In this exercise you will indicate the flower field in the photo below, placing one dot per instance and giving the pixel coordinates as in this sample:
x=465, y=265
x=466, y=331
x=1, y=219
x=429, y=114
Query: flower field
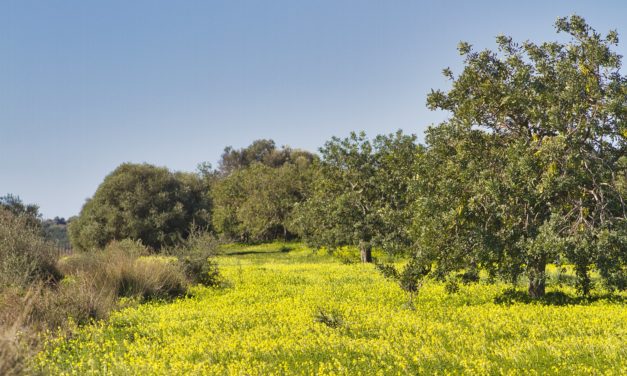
x=290, y=311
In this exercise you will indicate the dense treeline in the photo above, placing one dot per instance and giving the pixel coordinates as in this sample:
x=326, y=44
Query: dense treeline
x=528, y=170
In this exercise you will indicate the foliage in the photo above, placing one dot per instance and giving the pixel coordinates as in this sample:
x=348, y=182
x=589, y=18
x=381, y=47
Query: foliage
x=360, y=194
x=527, y=170
x=16, y=206
x=142, y=202
x=196, y=258
x=255, y=203
x=263, y=325
x=123, y=269
x=24, y=255
x=15, y=345
x=259, y=151
x=410, y=278
x=331, y=318
x=56, y=232
x=388, y=271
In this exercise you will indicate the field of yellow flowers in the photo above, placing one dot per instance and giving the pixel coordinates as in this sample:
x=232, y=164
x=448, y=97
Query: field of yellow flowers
x=285, y=310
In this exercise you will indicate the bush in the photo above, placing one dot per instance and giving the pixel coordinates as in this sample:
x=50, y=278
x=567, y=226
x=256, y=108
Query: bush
x=77, y=300
x=142, y=202
x=332, y=318
x=195, y=256
x=27, y=262
x=24, y=256
x=16, y=345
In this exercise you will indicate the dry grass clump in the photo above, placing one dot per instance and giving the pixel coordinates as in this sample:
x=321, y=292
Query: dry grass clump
x=16, y=345
x=122, y=269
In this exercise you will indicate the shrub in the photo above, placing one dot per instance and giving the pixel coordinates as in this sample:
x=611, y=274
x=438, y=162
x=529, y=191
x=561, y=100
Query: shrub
x=79, y=300
x=331, y=318
x=141, y=201
x=195, y=257
x=87, y=286
x=24, y=256
x=16, y=345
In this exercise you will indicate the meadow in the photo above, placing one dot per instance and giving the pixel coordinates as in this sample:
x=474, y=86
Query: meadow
x=283, y=309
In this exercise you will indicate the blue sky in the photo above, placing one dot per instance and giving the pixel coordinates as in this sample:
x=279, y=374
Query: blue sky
x=86, y=85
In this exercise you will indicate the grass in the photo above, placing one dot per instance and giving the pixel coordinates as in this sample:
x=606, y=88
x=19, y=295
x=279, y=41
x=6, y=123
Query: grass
x=286, y=310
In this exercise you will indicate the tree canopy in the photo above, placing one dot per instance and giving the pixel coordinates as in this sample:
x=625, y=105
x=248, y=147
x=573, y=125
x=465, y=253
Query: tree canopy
x=259, y=151
x=15, y=205
x=142, y=202
x=528, y=169
x=360, y=194
x=254, y=201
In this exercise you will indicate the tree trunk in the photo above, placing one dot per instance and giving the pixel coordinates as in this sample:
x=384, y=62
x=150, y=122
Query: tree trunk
x=583, y=278
x=366, y=251
x=537, y=278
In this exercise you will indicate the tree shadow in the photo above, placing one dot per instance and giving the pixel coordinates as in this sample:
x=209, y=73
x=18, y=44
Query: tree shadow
x=283, y=249
x=555, y=298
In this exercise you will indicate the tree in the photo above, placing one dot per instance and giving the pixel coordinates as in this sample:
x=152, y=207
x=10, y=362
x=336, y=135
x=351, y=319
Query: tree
x=142, y=202
x=15, y=205
x=228, y=195
x=527, y=169
x=255, y=203
x=259, y=151
x=360, y=194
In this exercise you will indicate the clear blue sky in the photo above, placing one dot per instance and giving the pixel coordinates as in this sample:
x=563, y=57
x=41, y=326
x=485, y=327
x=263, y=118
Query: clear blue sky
x=87, y=85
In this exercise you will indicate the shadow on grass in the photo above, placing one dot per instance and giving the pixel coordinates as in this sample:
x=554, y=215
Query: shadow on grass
x=554, y=298
x=283, y=249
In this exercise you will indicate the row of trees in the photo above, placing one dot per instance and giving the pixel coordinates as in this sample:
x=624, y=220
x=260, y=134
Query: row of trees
x=529, y=169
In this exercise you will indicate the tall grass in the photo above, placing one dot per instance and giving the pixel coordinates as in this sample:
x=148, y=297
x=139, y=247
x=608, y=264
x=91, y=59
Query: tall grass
x=16, y=345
